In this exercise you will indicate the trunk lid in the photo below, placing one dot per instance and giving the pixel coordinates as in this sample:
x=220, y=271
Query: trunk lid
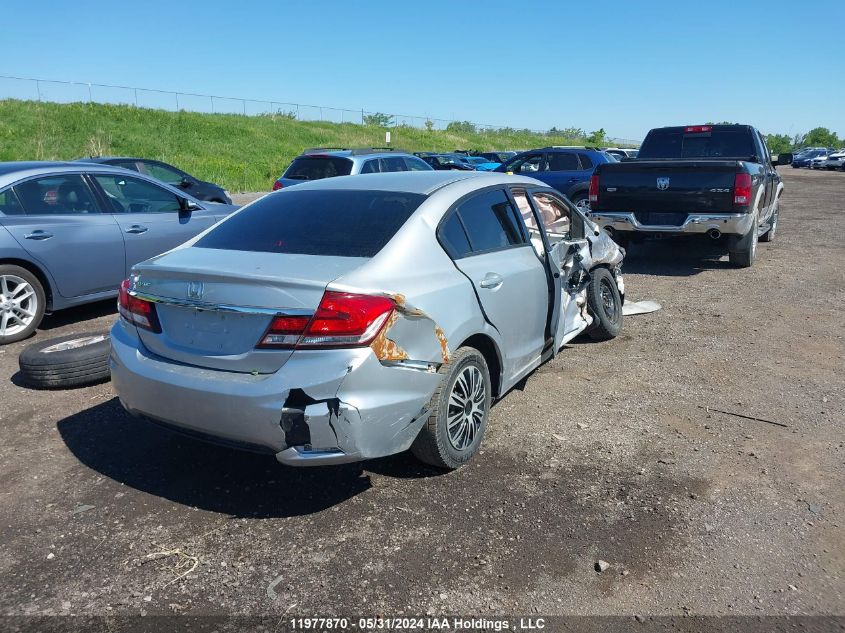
x=641, y=186
x=215, y=305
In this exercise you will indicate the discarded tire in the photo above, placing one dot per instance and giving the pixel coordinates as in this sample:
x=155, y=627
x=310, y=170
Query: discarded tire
x=66, y=361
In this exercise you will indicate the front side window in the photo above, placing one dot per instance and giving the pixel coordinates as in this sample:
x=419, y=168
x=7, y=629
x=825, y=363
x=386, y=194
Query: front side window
x=528, y=165
x=66, y=194
x=162, y=173
x=133, y=195
x=331, y=222
x=415, y=164
x=490, y=221
x=9, y=204
x=394, y=163
x=555, y=214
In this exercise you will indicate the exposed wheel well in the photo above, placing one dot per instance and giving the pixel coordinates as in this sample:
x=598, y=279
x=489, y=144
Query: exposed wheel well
x=35, y=270
x=487, y=347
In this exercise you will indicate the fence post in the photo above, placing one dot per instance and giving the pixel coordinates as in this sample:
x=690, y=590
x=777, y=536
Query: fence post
x=38, y=88
x=212, y=104
x=89, y=93
x=177, y=101
x=243, y=101
x=136, y=97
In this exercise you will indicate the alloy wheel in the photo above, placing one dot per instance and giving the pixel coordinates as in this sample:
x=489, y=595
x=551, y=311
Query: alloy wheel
x=466, y=408
x=18, y=304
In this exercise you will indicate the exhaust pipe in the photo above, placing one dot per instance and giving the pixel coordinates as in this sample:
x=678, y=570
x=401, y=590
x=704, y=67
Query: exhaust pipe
x=714, y=234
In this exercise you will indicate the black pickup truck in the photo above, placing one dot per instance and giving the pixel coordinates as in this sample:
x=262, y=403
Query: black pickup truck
x=717, y=181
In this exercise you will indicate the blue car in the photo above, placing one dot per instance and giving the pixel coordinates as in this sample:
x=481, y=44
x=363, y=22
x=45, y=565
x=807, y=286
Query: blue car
x=567, y=169
x=805, y=157
x=479, y=163
x=70, y=232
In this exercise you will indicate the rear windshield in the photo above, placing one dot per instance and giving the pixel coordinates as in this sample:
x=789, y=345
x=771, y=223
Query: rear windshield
x=317, y=167
x=336, y=222
x=674, y=143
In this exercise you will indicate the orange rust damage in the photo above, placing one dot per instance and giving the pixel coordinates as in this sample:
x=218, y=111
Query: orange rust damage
x=444, y=344
x=385, y=348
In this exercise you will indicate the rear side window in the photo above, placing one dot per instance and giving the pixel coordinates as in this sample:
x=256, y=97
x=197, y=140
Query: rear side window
x=559, y=161
x=718, y=143
x=453, y=237
x=586, y=163
x=332, y=222
x=317, y=167
x=66, y=194
x=490, y=221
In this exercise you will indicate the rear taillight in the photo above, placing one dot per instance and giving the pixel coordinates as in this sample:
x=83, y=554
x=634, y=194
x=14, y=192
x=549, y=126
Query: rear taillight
x=742, y=190
x=277, y=185
x=594, y=189
x=341, y=320
x=137, y=311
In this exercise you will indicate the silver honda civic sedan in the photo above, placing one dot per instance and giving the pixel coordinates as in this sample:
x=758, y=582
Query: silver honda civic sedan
x=357, y=317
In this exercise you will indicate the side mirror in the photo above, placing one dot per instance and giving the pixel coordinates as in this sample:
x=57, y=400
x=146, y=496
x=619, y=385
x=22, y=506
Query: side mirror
x=784, y=159
x=186, y=207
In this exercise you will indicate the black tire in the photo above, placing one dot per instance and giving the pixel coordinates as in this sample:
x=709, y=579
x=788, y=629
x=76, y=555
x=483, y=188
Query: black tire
x=434, y=445
x=769, y=236
x=744, y=251
x=36, y=304
x=605, y=305
x=66, y=361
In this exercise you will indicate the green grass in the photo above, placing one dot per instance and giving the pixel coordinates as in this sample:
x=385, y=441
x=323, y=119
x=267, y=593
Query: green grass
x=241, y=153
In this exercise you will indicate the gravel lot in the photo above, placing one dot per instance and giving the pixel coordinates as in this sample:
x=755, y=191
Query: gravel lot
x=607, y=453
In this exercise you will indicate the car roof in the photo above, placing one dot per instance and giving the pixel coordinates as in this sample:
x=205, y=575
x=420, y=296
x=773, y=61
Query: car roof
x=351, y=153
x=104, y=159
x=420, y=182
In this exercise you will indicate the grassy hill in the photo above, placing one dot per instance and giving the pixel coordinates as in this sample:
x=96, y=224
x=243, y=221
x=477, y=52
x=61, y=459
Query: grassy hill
x=241, y=153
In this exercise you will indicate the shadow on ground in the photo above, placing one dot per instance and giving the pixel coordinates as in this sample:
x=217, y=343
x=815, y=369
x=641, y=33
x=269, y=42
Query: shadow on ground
x=160, y=462
x=78, y=314
x=681, y=257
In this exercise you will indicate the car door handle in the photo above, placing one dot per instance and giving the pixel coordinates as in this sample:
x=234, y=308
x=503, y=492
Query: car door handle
x=38, y=234
x=137, y=229
x=491, y=281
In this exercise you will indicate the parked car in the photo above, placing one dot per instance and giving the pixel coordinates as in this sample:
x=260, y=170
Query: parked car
x=479, y=163
x=817, y=162
x=714, y=180
x=324, y=162
x=447, y=162
x=835, y=160
x=173, y=176
x=803, y=157
x=363, y=316
x=622, y=153
x=567, y=169
x=497, y=157
x=69, y=232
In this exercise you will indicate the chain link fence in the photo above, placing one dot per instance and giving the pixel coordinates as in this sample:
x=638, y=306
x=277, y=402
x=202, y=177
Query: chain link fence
x=28, y=88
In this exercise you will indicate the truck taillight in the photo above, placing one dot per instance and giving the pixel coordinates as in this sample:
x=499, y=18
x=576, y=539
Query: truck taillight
x=136, y=311
x=277, y=185
x=594, y=189
x=341, y=320
x=742, y=190
x=697, y=129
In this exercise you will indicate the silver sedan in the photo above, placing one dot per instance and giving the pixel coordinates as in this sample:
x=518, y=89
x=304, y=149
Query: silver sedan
x=356, y=317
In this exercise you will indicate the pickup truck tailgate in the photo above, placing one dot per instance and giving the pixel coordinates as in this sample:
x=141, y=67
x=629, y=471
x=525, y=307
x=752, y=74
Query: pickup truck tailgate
x=667, y=188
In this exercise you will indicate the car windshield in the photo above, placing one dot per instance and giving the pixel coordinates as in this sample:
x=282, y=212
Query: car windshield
x=716, y=143
x=317, y=167
x=332, y=222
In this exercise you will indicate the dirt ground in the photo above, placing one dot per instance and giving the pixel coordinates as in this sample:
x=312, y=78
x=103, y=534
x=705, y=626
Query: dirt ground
x=607, y=453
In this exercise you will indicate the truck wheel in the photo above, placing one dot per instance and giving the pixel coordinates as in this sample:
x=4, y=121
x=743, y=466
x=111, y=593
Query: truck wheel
x=22, y=303
x=458, y=412
x=582, y=201
x=605, y=305
x=769, y=236
x=744, y=252
x=66, y=361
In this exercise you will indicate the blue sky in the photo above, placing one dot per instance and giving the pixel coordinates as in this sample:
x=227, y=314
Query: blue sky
x=624, y=66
